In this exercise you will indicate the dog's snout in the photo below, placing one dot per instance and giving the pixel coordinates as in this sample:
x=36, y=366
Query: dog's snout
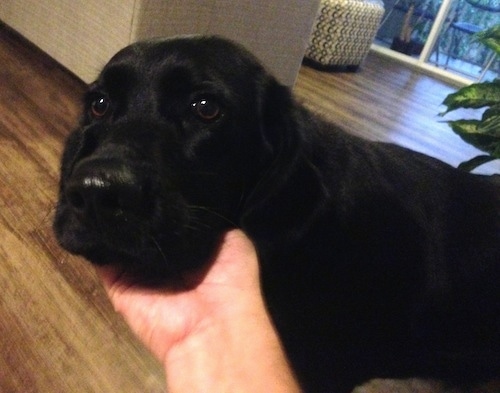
x=103, y=190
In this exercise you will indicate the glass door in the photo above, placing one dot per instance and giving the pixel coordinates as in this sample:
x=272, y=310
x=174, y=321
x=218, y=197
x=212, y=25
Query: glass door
x=437, y=35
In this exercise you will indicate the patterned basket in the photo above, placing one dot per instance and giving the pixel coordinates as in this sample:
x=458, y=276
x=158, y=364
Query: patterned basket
x=343, y=32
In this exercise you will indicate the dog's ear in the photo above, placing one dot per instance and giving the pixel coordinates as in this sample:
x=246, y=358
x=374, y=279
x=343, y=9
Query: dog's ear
x=283, y=119
x=282, y=124
x=290, y=189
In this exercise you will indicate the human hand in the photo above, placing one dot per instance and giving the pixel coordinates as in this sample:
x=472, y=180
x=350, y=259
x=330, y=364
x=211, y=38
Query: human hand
x=213, y=333
x=166, y=316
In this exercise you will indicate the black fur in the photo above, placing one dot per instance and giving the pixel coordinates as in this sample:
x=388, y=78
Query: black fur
x=376, y=261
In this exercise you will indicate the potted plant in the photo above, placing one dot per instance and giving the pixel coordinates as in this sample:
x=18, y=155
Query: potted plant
x=410, y=40
x=484, y=133
x=402, y=42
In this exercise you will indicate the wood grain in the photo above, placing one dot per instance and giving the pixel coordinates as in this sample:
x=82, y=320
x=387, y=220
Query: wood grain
x=58, y=332
x=389, y=102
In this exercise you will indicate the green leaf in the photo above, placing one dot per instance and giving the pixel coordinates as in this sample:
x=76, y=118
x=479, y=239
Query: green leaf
x=490, y=38
x=490, y=122
x=470, y=132
x=483, y=134
x=477, y=95
x=475, y=162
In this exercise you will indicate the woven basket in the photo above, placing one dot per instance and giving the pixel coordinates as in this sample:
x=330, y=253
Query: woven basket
x=343, y=33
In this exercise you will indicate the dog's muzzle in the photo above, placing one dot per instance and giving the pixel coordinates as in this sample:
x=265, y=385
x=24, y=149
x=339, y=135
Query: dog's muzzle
x=105, y=190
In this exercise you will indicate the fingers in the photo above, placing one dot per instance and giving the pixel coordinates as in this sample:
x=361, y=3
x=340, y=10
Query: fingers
x=235, y=263
x=109, y=275
x=236, y=244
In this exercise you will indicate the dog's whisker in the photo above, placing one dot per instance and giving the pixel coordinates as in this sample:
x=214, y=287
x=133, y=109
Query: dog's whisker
x=159, y=249
x=197, y=225
x=202, y=173
x=215, y=213
x=175, y=270
x=45, y=221
x=48, y=216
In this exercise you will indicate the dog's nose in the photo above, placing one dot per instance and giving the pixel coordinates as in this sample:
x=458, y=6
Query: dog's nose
x=105, y=190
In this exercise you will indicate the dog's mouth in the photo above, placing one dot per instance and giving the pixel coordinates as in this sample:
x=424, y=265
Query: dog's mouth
x=111, y=214
x=111, y=236
x=135, y=244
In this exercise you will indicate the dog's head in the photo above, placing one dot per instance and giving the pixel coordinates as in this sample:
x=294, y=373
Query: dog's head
x=175, y=137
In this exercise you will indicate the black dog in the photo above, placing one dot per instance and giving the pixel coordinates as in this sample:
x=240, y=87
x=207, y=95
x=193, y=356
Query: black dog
x=376, y=261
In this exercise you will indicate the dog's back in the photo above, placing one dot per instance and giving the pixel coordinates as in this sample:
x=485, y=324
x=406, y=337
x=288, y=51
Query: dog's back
x=379, y=261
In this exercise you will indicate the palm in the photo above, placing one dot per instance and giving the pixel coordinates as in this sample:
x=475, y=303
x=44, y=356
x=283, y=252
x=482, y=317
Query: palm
x=163, y=317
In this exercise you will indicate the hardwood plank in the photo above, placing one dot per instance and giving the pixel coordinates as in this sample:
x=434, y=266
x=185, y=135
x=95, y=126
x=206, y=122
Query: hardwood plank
x=388, y=102
x=58, y=330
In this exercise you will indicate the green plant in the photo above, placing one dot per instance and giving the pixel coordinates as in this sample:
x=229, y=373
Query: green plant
x=483, y=134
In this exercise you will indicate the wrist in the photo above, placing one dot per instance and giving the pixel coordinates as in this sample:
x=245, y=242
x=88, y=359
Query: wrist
x=236, y=355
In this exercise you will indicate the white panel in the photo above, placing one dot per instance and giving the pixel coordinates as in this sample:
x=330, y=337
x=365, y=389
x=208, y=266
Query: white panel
x=80, y=34
x=83, y=34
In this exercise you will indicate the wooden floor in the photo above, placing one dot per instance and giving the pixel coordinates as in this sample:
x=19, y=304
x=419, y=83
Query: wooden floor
x=58, y=332
x=392, y=103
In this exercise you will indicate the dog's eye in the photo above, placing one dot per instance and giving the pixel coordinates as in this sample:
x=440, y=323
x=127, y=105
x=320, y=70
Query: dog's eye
x=99, y=106
x=206, y=109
